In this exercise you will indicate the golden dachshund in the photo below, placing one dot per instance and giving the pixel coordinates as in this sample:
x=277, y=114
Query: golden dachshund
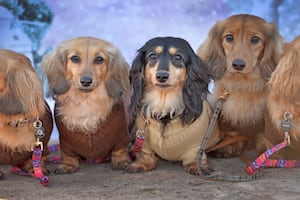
x=89, y=79
x=242, y=51
x=22, y=107
x=170, y=84
x=282, y=104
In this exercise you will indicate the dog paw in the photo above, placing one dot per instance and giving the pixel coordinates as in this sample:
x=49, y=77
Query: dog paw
x=135, y=168
x=65, y=169
x=122, y=165
x=205, y=169
x=228, y=151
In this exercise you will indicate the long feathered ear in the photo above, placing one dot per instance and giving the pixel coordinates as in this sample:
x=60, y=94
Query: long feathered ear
x=195, y=88
x=23, y=92
x=285, y=80
x=117, y=80
x=272, y=52
x=211, y=51
x=54, y=66
x=137, y=81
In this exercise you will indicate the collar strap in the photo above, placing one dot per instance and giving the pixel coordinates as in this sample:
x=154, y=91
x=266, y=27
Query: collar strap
x=23, y=122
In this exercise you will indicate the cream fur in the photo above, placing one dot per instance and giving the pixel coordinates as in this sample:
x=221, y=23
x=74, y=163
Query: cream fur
x=179, y=142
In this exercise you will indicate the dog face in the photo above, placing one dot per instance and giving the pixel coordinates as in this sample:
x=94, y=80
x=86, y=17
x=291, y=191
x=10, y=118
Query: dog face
x=84, y=64
x=21, y=91
x=168, y=80
x=86, y=72
x=244, y=45
x=165, y=67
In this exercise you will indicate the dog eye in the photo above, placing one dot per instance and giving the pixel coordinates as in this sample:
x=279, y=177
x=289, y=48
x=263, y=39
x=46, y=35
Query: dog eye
x=75, y=59
x=98, y=60
x=153, y=56
x=254, y=40
x=177, y=57
x=229, y=38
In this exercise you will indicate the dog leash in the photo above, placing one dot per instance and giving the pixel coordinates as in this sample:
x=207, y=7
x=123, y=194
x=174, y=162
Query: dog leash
x=37, y=150
x=263, y=161
x=202, y=158
x=139, y=139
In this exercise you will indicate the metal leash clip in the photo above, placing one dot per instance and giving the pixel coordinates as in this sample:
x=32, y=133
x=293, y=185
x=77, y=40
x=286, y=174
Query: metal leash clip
x=286, y=126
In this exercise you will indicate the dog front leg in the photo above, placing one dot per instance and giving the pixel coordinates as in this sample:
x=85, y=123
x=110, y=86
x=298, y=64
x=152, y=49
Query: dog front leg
x=68, y=165
x=144, y=162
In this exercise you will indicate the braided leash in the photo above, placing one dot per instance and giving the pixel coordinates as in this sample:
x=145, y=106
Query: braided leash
x=202, y=158
x=139, y=139
x=37, y=150
x=264, y=161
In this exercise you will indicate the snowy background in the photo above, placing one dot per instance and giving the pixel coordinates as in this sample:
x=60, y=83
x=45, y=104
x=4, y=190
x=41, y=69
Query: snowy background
x=35, y=27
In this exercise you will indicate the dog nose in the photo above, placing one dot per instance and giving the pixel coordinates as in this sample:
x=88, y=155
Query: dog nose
x=86, y=81
x=162, y=76
x=238, y=64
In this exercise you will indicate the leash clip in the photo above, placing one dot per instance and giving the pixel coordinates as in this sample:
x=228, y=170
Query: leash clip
x=142, y=131
x=38, y=143
x=287, y=138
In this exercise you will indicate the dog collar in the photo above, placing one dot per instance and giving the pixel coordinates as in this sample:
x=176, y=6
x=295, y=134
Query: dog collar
x=23, y=122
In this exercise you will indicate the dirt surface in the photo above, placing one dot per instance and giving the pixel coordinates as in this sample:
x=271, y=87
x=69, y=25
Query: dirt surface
x=168, y=181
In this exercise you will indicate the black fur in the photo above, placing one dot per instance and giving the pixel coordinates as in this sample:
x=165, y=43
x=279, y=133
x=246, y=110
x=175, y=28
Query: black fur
x=195, y=86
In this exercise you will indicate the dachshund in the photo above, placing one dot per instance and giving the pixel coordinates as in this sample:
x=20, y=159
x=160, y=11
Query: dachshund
x=89, y=80
x=23, y=109
x=241, y=51
x=282, y=105
x=170, y=85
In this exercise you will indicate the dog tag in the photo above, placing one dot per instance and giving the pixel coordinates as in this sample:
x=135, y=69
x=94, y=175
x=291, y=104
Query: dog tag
x=40, y=132
x=286, y=125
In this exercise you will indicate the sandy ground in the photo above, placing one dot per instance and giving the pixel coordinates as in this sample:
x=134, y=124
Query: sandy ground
x=168, y=181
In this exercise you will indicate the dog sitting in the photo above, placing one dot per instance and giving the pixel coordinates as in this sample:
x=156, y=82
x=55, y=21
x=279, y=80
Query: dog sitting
x=242, y=51
x=88, y=78
x=22, y=105
x=283, y=101
x=170, y=84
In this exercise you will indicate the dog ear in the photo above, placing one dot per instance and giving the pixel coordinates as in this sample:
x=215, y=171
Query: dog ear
x=285, y=79
x=137, y=81
x=211, y=51
x=117, y=80
x=272, y=52
x=16, y=99
x=195, y=88
x=54, y=66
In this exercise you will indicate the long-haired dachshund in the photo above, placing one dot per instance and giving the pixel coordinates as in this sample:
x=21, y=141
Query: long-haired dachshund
x=283, y=104
x=22, y=104
x=89, y=80
x=242, y=51
x=170, y=84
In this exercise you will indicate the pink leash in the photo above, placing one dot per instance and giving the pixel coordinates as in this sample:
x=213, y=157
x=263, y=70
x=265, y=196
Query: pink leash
x=264, y=161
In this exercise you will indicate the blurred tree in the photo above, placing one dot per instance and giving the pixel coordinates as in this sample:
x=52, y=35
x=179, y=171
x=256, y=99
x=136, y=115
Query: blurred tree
x=34, y=17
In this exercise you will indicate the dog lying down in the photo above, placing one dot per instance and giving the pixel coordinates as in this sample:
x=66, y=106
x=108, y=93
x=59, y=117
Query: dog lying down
x=282, y=105
x=89, y=80
x=241, y=51
x=22, y=106
x=170, y=84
